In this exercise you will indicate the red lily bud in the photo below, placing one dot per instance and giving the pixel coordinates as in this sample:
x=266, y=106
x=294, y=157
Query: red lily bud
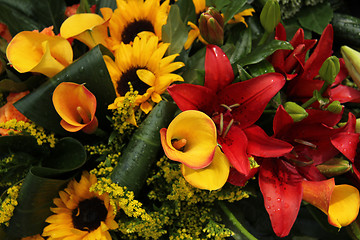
x=211, y=25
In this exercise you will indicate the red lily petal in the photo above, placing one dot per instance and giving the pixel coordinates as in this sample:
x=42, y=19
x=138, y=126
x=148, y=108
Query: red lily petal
x=344, y=94
x=218, y=70
x=282, y=121
x=282, y=191
x=343, y=73
x=238, y=179
x=252, y=95
x=323, y=117
x=280, y=32
x=261, y=145
x=234, y=146
x=311, y=173
x=298, y=38
x=346, y=143
x=322, y=51
x=291, y=60
x=193, y=97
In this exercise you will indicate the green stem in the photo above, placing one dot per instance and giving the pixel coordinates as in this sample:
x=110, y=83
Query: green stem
x=234, y=221
x=264, y=38
x=313, y=99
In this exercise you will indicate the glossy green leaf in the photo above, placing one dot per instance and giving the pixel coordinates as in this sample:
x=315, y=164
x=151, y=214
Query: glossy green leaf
x=174, y=31
x=89, y=69
x=260, y=68
x=42, y=184
x=142, y=150
x=316, y=18
x=233, y=8
x=263, y=51
x=9, y=85
x=243, y=45
x=187, y=11
x=106, y=3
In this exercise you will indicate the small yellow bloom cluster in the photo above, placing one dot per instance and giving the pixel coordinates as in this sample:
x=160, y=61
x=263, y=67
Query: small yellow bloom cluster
x=8, y=205
x=217, y=231
x=105, y=168
x=125, y=116
x=4, y=168
x=32, y=129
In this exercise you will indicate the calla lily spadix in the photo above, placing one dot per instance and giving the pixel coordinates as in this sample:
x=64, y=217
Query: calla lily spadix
x=88, y=28
x=191, y=140
x=38, y=52
x=76, y=105
x=340, y=202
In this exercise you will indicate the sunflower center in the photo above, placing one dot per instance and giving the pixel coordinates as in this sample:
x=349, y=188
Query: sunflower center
x=132, y=30
x=131, y=76
x=89, y=214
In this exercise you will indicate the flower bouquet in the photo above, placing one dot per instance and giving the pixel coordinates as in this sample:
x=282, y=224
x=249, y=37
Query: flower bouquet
x=187, y=119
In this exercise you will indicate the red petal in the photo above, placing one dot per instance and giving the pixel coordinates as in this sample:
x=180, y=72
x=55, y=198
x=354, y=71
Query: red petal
x=218, y=70
x=322, y=51
x=344, y=94
x=282, y=192
x=346, y=143
x=343, y=73
x=238, y=179
x=252, y=95
x=280, y=33
x=323, y=117
x=193, y=97
x=261, y=145
x=282, y=121
x=234, y=146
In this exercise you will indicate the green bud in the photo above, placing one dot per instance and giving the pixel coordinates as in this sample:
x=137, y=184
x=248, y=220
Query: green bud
x=357, y=125
x=330, y=69
x=334, y=167
x=211, y=25
x=352, y=63
x=335, y=107
x=295, y=111
x=270, y=15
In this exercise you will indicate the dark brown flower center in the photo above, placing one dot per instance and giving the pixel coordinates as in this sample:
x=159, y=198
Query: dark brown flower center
x=132, y=30
x=131, y=76
x=89, y=214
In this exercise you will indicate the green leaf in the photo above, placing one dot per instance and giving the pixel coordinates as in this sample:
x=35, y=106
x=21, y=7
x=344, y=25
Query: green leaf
x=106, y=3
x=242, y=47
x=89, y=69
x=42, y=184
x=40, y=14
x=142, y=150
x=187, y=11
x=260, y=68
x=174, y=31
x=233, y=8
x=316, y=18
x=8, y=85
x=263, y=51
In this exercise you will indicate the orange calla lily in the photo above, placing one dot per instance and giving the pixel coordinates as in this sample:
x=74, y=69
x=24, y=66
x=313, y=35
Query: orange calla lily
x=340, y=202
x=89, y=28
x=190, y=139
x=38, y=52
x=212, y=177
x=76, y=105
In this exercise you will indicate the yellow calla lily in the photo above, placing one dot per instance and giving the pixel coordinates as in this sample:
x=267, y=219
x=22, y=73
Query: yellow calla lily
x=190, y=139
x=88, y=28
x=212, y=177
x=38, y=52
x=340, y=202
x=76, y=105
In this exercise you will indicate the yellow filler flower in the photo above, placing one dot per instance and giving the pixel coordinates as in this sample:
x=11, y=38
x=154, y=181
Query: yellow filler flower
x=38, y=52
x=134, y=16
x=81, y=214
x=340, y=202
x=76, y=105
x=88, y=28
x=200, y=7
x=143, y=66
x=191, y=140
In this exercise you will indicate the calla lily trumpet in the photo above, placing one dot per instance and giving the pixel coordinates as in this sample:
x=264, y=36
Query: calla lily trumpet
x=88, y=28
x=340, y=202
x=76, y=105
x=191, y=140
x=38, y=52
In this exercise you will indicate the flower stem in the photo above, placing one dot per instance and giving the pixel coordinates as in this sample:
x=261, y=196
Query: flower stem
x=264, y=38
x=234, y=221
x=313, y=98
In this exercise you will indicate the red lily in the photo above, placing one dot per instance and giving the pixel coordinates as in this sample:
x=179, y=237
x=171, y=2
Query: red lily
x=315, y=141
x=290, y=62
x=234, y=108
x=301, y=88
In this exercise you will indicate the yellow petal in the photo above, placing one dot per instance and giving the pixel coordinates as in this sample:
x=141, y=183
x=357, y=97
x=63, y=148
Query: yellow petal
x=79, y=23
x=146, y=76
x=192, y=35
x=212, y=177
x=344, y=205
x=199, y=131
x=146, y=107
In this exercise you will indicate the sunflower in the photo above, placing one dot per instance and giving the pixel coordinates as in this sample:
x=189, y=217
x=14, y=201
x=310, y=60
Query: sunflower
x=200, y=7
x=134, y=16
x=143, y=66
x=81, y=214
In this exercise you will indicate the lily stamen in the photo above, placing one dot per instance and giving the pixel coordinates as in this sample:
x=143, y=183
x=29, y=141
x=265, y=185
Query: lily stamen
x=83, y=114
x=234, y=105
x=179, y=144
x=221, y=123
x=306, y=143
x=226, y=106
x=228, y=128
